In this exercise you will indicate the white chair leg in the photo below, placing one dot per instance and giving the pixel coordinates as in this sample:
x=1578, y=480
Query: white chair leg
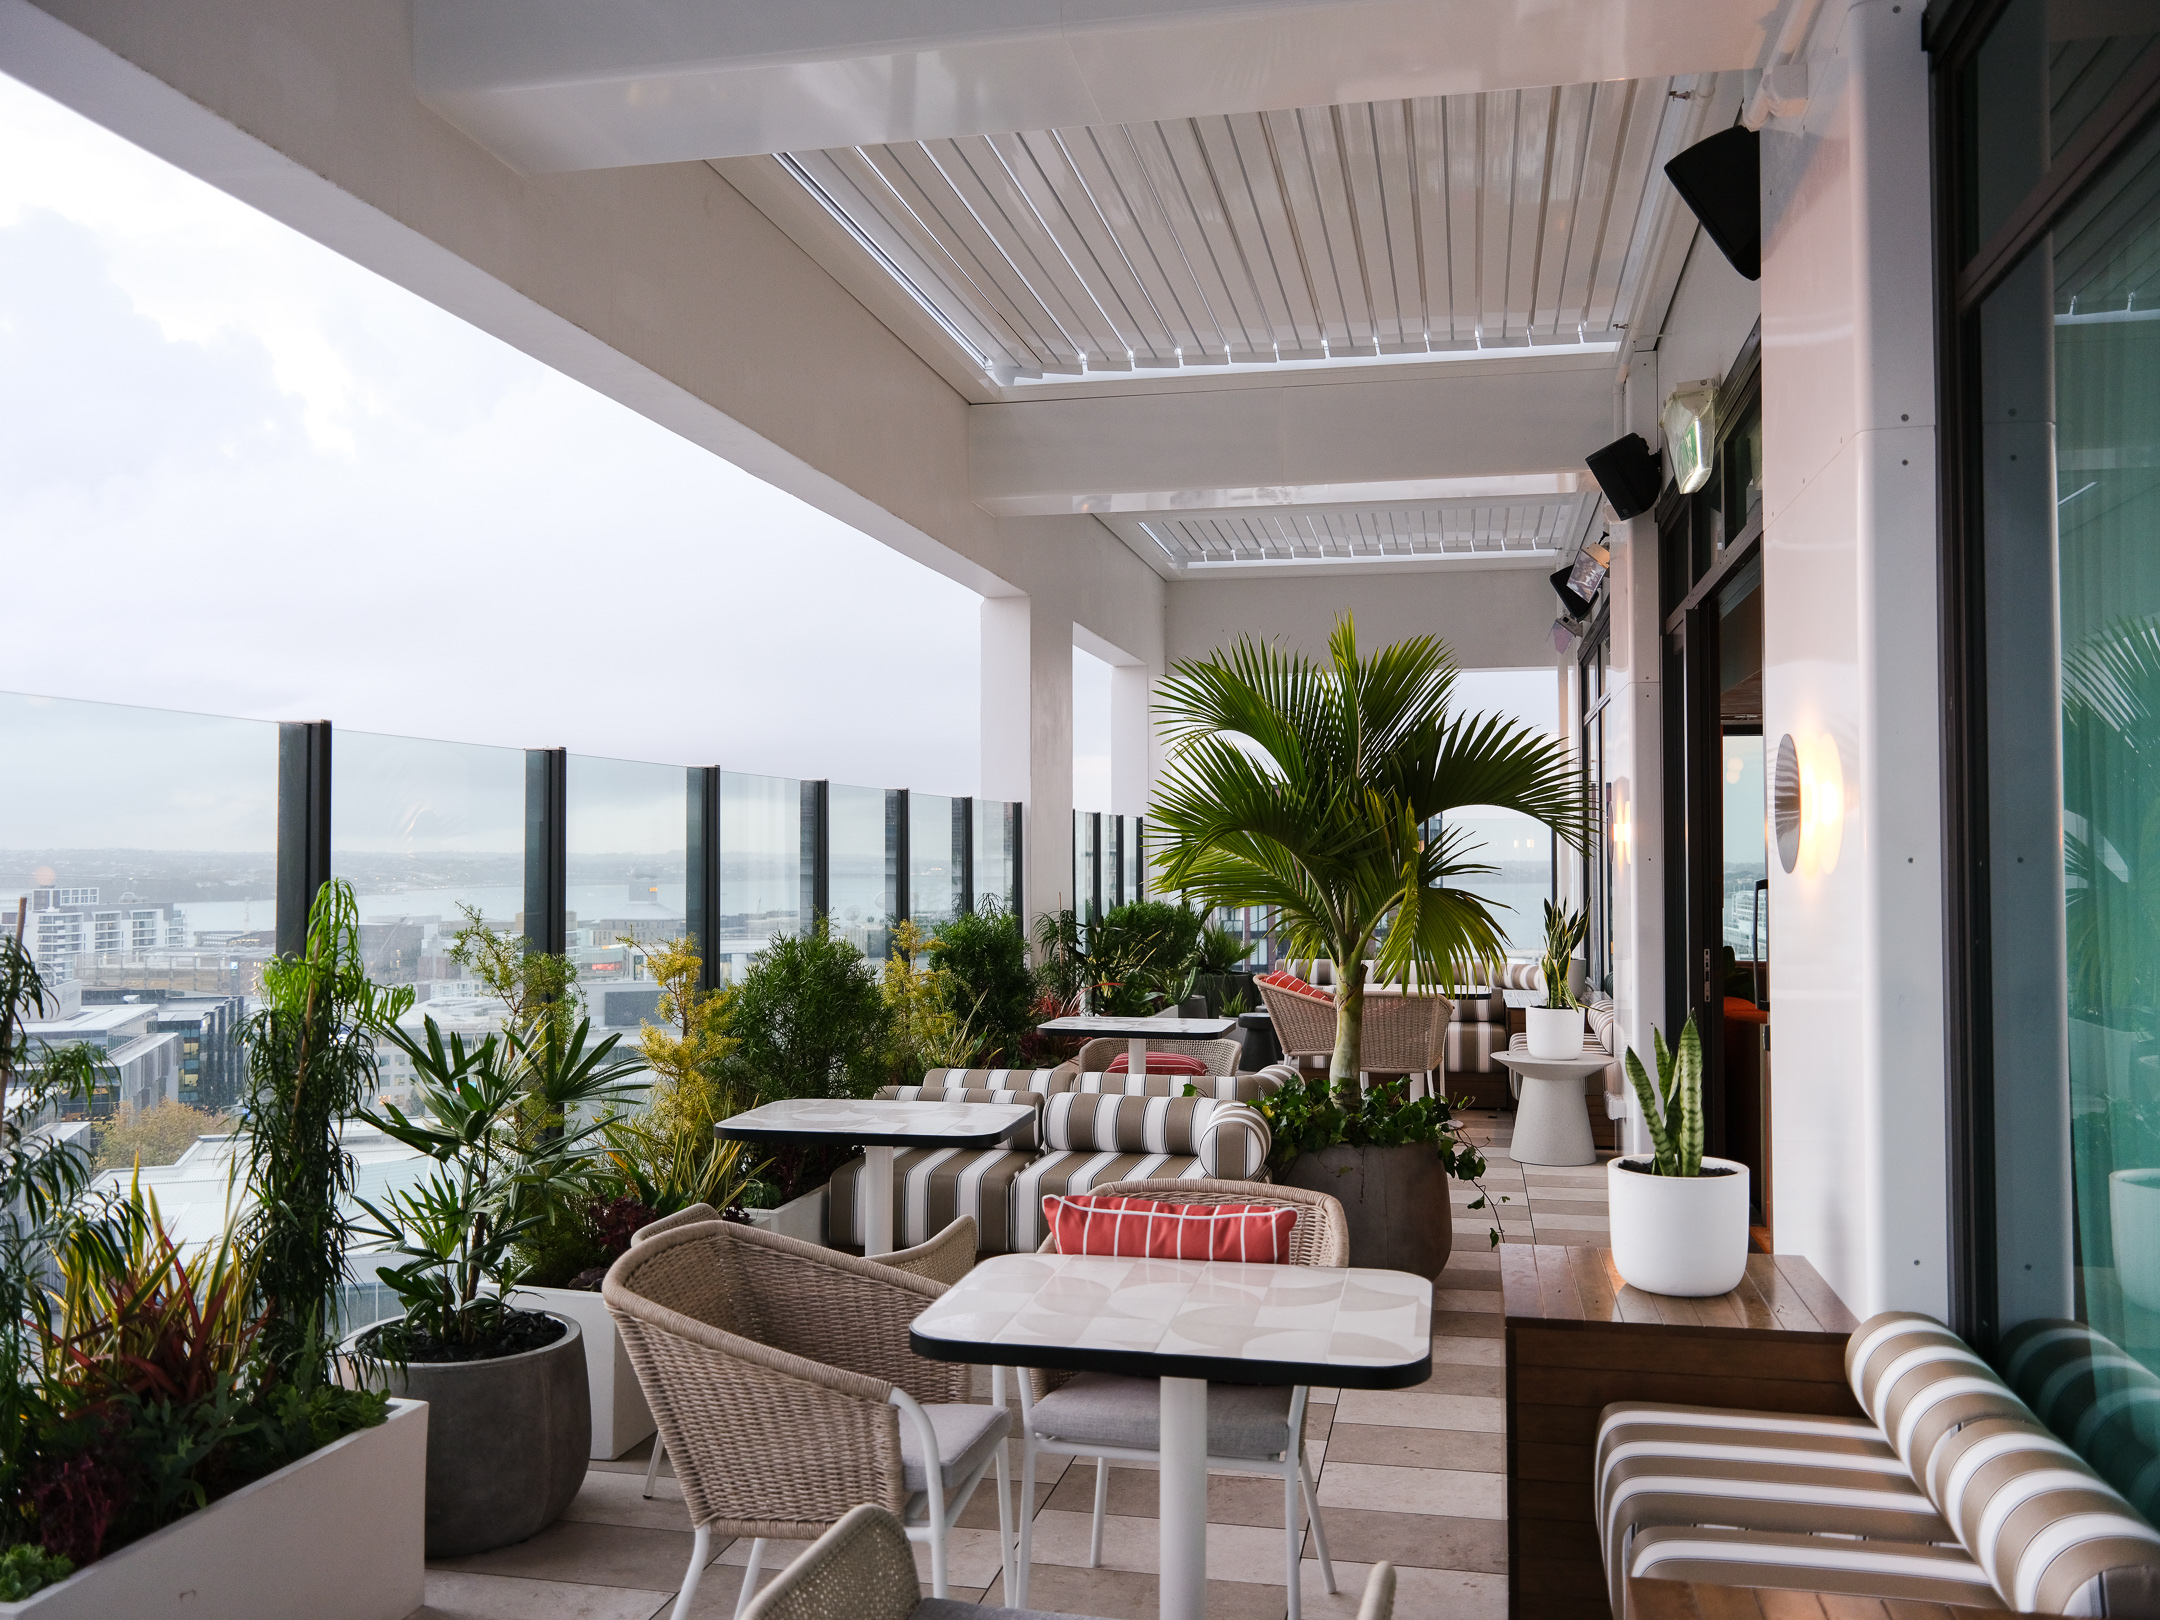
x=1102, y=1501
x=652, y=1469
x=937, y=1558
x=1319, y=1530
x=1005, y=1524
x=749, y=1583
x=1290, y=1538
x=1016, y=1596
x=700, y=1555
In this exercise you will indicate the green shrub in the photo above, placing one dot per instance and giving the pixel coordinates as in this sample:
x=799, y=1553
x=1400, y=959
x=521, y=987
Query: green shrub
x=988, y=982
x=809, y=1020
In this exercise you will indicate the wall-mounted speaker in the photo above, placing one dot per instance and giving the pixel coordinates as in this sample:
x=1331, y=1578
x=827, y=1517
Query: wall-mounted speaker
x=1720, y=179
x=1574, y=605
x=1628, y=472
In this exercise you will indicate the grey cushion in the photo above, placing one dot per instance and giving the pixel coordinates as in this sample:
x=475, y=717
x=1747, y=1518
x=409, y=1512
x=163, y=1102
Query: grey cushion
x=1243, y=1420
x=965, y=1436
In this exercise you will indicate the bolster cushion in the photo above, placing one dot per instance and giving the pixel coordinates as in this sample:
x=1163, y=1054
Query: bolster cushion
x=1028, y=1137
x=1920, y=1382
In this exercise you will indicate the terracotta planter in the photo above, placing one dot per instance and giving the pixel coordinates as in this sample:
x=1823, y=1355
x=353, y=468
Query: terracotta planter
x=1396, y=1199
x=506, y=1441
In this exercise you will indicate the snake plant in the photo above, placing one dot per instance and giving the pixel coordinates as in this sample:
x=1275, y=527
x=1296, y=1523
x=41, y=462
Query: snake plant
x=1672, y=1107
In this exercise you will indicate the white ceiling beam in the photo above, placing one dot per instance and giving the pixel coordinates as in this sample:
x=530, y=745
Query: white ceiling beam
x=557, y=85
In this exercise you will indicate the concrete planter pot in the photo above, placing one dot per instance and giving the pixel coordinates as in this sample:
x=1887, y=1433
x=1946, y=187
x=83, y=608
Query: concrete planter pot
x=1554, y=1032
x=1684, y=1235
x=507, y=1441
x=334, y=1536
x=803, y=1218
x=1396, y=1199
x=620, y=1417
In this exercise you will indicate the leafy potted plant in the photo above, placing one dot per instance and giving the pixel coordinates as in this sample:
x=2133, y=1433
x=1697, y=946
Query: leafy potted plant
x=1555, y=1029
x=1309, y=788
x=1679, y=1220
x=507, y=1388
x=983, y=956
x=1386, y=1159
x=170, y=1431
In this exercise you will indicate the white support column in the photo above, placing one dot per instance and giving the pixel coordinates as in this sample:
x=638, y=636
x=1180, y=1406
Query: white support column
x=1129, y=729
x=1047, y=846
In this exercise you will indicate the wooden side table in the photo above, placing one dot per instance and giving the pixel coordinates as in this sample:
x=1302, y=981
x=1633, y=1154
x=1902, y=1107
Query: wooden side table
x=1578, y=1339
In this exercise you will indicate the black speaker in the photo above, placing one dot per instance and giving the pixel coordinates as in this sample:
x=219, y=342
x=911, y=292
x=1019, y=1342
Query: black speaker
x=1628, y=472
x=1721, y=180
x=1574, y=605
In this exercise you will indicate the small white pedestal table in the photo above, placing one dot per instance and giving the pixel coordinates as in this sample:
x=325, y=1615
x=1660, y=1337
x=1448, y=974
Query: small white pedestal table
x=1186, y=1322
x=1552, y=1125
x=879, y=1127
x=1137, y=1032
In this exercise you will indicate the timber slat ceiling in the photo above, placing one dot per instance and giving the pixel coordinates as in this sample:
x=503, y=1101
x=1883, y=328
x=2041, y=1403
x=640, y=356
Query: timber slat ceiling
x=1340, y=233
x=1429, y=529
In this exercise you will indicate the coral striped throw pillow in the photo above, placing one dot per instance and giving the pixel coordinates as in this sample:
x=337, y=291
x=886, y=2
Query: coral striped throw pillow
x=1155, y=1229
x=1159, y=1063
x=1295, y=986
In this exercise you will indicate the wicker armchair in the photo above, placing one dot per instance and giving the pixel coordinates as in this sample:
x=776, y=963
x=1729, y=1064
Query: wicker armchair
x=860, y=1570
x=1406, y=1034
x=785, y=1391
x=1304, y=1025
x=1221, y=1057
x=1095, y=1414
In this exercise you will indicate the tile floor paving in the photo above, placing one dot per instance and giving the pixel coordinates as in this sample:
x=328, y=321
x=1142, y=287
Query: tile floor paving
x=1412, y=1476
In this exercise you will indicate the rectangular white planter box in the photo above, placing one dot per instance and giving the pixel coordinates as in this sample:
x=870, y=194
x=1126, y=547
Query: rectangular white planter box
x=338, y=1535
x=802, y=1218
x=620, y=1417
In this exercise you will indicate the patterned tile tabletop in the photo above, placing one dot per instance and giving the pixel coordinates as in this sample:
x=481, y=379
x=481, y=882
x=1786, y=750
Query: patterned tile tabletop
x=1140, y=1029
x=882, y=1124
x=1366, y=1329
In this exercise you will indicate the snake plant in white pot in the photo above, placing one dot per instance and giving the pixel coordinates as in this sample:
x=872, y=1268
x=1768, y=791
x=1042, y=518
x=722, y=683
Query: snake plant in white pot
x=1679, y=1220
x=1555, y=1030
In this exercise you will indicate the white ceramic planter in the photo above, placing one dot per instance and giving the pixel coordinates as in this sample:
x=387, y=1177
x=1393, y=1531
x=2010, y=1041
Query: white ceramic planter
x=802, y=1218
x=1685, y=1235
x=620, y=1417
x=337, y=1535
x=1555, y=1032
x=2134, y=1211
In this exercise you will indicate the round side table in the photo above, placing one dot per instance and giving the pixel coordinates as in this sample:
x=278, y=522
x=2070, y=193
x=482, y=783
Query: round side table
x=1552, y=1125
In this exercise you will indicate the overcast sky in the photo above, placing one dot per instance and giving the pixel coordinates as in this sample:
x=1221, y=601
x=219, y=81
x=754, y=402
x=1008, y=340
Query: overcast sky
x=241, y=475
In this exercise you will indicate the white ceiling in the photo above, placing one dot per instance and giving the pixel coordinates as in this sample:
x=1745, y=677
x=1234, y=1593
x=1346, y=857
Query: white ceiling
x=1482, y=533
x=1323, y=236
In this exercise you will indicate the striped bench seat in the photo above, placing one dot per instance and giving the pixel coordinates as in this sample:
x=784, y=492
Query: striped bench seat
x=1950, y=1491
x=1124, y=1128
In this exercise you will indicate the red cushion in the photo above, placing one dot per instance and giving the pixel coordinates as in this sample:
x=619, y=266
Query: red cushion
x=1295, y=986
x=1159, y=1063
x=1155, y=1229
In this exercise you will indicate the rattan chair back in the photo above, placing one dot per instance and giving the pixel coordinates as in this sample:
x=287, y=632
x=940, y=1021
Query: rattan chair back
x=1221, y=1057
x=1320, y=1238
x=1304, y=1025
x=1405, y=1034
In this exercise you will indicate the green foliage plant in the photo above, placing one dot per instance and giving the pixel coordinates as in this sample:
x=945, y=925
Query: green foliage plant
x=926, y=1030
x=1135, y=960
x=809, y=1019
x=157, y=1135
x=25, y=1569
x=539, y=991
x=493, y=1182
x=1308, y=1115
x=311, y=1063
x=1563, y=938
x=983, y=956
x=1672, y=1105
x=1307, y=786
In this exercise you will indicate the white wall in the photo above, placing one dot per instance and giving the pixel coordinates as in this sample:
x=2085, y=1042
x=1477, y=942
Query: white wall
x=1859, y=1125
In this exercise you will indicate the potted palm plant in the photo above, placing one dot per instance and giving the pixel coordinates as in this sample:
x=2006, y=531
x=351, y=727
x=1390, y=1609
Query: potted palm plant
x=1555, y=1030
x=1679, y=1219
x=509, y=1402
x=1308, y=787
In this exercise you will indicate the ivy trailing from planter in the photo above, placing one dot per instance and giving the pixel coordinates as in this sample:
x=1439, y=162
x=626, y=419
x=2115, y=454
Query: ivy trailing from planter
x=1308, y=1115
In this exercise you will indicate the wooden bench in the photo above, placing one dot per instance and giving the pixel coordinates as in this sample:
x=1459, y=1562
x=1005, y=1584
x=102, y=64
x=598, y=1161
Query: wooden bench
x=1578, y=1339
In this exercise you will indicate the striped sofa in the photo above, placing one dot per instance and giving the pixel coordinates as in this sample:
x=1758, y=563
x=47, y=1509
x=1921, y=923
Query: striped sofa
x=1951, y=1490
x=1089, y=1130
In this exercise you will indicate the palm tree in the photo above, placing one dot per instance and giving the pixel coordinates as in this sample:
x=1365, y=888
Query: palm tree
x=1307, y=787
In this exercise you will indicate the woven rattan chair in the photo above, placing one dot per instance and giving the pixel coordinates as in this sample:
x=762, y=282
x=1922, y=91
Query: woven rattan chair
x=1221, y=1057
x=860, y=1570
x=1407, y=1035
x=785, y=1391
x=945, y=1259
x=1108, y=1417
x=1304, y=1025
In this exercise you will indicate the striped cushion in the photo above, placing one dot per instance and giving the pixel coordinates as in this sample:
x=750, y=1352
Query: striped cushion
x=2094, y=1396
x=1044, y=1080
x=1222, y=1087
x=1762, y=1558
x=1066, y=1172
x=2054, y=1537
x=1291, y=985
x=1156, y=1228
x=1233, y=1142
x=1232, y=1138
x=1028, y=1136
x=1920, y=1382
x=933, y=1187
x=1602, y=1015
x=1663, y=1465
x=1470, y=1046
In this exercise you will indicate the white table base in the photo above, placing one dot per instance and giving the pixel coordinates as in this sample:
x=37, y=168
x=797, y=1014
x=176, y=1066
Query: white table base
x=877, y=1188
x=1182, y=1503
x=1136, y=1056
x=1552, y=1125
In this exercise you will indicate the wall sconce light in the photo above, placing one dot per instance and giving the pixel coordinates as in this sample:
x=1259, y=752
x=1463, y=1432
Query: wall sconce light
x=1807, y=805
x=1690, y=424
